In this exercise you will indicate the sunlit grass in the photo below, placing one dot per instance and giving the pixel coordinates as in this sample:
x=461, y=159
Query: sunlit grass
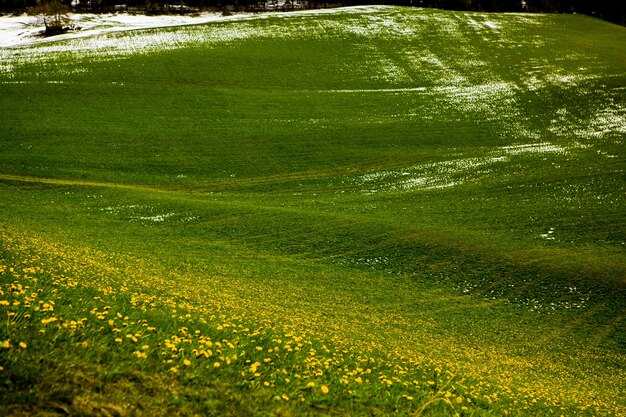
x=369, y=211
x=92, y=311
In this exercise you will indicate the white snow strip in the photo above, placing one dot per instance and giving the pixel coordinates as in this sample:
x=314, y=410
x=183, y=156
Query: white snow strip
x=24, y=29
x=379, y=90
x=533, y=148
x=451, y=173
x=158, y=218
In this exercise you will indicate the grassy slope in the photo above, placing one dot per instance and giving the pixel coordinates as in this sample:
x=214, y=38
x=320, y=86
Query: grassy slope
x=354, y=179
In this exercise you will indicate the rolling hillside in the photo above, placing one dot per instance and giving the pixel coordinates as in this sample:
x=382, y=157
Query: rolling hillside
x=357, y=211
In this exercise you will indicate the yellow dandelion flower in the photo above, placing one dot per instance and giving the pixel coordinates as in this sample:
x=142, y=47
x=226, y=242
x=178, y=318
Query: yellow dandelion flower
x=311, y=384
x=324, y=389
x=267, y=384
x=448, y=395
x=145, y=347
x=459, y=400
x=118, y=339
x=23, y=345
x=358, y=380
x=186, y=362
x=174, y=369
x=285, y=397
x=6, y=344
x=216, y=364
x=85, y=344
x=1, y=368
x=408, y=397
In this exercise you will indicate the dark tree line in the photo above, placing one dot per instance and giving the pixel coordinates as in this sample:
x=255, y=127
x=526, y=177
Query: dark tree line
x=611, y=10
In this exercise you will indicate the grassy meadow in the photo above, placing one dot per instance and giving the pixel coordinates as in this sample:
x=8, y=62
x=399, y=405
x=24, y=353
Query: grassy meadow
x=359, y=211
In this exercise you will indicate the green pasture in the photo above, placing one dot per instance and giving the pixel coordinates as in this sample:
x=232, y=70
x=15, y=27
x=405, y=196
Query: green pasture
x=366, y=211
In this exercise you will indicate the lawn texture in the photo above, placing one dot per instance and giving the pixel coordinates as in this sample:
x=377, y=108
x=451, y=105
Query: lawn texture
x=360, y=211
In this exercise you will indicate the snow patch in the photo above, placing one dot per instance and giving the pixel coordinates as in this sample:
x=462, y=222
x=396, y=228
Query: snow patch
x=24, y=29
x=158, y=218
x=549, y=235
x=543, y=147
x=450, y=173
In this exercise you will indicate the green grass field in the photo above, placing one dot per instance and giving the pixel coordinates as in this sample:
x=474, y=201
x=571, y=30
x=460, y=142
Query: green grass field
x=366, y=211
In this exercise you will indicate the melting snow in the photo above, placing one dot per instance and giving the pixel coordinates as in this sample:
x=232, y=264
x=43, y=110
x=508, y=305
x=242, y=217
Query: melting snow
x=158, y=218
x=533, y=148
x=24, y=29
x=446, y=174
x=20, y=30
